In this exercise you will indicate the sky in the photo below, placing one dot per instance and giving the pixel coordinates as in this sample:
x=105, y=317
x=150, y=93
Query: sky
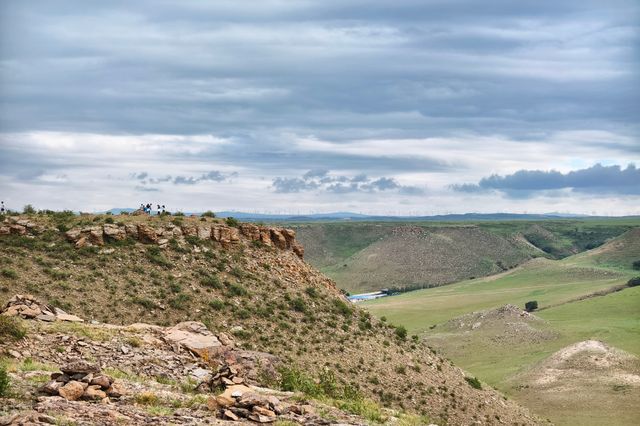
x=410, y=107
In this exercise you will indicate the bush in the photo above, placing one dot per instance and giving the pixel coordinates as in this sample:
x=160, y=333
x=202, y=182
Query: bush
x=29, y=209
x=9, y=273
x=109, y=220
x=298, y=305
x=11, y=328
x=633, y=282
x=474, y=382
x=636, y=265
x=531, y=306
x=401, y=332
x=4, y=382
x=155, y=256
x=231, y=221
x=178, y=214
x=211, y=281
x=342, y=308
x=208, y=213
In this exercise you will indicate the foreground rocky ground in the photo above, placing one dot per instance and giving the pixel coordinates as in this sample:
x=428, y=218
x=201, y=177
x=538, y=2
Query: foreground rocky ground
x=70, y=372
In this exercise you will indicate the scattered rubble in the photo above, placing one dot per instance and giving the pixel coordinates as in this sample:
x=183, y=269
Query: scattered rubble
x=27, y=307
x=82, y=380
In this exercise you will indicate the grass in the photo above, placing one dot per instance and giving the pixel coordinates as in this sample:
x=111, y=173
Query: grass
x=548, y=282
x=11, y=328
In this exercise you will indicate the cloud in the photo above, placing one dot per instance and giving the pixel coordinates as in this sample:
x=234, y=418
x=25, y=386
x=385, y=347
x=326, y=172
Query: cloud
x=322, y=181
x=212, y=176
x=597, y=179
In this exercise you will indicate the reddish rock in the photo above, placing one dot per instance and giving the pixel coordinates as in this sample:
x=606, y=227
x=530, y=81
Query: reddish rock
x=114, y=232
x=278, y=239
x=250, y=231
x=265, y=237
x=72, y=391
x=147, y=234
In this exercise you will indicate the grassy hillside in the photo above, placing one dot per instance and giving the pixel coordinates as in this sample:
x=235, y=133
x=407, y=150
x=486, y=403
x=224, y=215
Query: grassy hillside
x=370, y=256
x=508, y=352
x=269, y=299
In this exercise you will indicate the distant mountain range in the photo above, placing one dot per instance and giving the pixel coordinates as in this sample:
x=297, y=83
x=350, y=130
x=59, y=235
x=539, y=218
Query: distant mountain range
x=349, y=216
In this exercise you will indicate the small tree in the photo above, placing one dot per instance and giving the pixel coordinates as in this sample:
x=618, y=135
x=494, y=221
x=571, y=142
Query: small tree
x=636, y=265
x=401, y=332
x=208, y=213
x=29, y=209
x=531, y=306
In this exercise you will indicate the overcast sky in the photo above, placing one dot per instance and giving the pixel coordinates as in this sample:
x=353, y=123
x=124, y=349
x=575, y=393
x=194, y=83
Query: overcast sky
x=403, y=107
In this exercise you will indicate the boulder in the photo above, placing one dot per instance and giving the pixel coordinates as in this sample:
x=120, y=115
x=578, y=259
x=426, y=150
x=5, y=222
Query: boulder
x=196, y=337
x=278, y=239
x=265, y=237
x=95, y=235
x=80, y=367
x=17, y=229
x=73, y=390
x=52, y=387
x=204, y=232
x=114, y=232
x=73, y=235
x=298, y=249
x=290, y=236
x=116, y=390
x=131, y=229
x=94, y=392
x=250, y=231
x=5, y=230
x=147, y=234
x=189, y=230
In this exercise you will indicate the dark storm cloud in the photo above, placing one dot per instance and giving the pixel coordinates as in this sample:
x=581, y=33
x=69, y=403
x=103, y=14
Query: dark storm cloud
x=597, y=179
x=321, y=180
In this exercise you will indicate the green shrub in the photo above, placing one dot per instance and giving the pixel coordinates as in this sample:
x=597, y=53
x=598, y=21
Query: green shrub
x=474, y=382
x=216, y=304
x=4, y=382
x=237, y=290
x=634, y=282
x=178, y=214
x=11, y=328
x=298, y=305
x=211, y=281
x=9, y=273
x=531, y=306
x=342, y=308
x=312, y=292
x=109, y=220
x=231, y=221
x=208, y=213
x=146, y=303
x=155, y=256
x=29, y=209
x=636, y=265
x=401, y=332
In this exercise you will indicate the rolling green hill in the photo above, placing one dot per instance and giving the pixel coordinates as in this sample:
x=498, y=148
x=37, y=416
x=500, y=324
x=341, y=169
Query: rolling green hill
x=463, y=321
x=363, y=256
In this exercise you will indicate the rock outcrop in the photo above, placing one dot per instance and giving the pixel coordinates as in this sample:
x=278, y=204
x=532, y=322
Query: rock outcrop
x=227, y=236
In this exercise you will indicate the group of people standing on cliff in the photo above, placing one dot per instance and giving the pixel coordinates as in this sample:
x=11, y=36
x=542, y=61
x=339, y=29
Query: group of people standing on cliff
x=148, y=208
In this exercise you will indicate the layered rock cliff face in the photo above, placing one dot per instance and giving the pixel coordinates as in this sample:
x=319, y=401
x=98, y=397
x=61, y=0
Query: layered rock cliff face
x=227, y=236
